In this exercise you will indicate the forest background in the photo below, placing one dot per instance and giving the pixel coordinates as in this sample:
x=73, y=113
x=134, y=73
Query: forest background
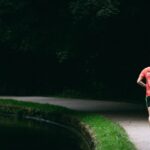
x=75, y=48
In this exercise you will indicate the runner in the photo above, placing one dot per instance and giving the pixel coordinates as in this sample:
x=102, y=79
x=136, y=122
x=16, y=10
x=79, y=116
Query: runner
x=145, y=75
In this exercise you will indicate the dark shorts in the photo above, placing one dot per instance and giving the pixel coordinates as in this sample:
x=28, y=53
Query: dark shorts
x=147, y=101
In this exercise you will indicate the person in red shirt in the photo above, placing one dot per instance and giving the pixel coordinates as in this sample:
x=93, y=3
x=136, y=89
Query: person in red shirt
x=144, y=81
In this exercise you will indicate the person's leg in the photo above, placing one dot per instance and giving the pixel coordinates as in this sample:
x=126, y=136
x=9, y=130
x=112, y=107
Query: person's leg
x=148, y=107
x=149, y=115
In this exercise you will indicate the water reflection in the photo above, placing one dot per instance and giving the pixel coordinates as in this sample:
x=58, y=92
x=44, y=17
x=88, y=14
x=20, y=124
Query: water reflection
x=32, y=135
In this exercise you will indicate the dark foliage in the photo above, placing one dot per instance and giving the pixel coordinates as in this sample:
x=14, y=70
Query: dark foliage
x=89, y=47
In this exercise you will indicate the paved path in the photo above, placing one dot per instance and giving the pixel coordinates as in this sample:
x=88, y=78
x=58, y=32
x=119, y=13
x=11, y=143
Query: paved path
x=131, y=116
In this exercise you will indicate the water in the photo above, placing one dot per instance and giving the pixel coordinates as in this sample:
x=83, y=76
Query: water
x=34, y=135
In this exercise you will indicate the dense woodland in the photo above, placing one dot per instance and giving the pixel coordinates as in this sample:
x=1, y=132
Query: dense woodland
x=79, y=48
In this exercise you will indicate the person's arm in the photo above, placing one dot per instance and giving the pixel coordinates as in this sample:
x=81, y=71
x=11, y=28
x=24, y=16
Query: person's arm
x=140, y=81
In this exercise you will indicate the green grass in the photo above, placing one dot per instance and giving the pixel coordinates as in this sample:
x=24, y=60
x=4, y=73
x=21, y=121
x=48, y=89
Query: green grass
x=106, y=134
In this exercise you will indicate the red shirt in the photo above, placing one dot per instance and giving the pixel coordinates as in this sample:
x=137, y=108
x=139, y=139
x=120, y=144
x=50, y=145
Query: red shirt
x=145, y=73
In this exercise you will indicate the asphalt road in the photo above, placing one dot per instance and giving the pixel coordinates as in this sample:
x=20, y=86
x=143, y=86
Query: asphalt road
x=132, y=117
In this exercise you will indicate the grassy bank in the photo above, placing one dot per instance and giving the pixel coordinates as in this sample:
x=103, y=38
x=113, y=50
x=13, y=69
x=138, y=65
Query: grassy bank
x=101, y=133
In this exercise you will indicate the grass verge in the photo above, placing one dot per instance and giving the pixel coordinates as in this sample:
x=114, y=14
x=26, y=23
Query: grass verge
x=101, y=133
